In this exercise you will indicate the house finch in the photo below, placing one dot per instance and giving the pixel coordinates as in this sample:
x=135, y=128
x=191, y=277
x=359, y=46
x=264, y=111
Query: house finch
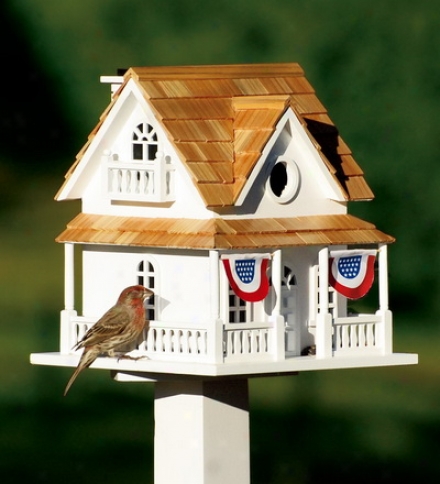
x=118, y=328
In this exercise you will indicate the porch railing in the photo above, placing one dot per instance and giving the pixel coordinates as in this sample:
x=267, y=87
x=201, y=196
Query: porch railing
x=190, y=341
x=362, y=334
x=162, y=340
x=247, y=341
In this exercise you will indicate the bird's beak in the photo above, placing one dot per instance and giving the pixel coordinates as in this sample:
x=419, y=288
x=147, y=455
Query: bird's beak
x=147, y=293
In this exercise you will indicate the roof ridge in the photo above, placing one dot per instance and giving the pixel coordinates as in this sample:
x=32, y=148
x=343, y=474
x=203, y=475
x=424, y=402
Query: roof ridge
x=215, y=71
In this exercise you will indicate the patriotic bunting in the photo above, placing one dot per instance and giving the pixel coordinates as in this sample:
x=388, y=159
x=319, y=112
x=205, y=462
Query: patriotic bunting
x=247, y=275
x=351, y=273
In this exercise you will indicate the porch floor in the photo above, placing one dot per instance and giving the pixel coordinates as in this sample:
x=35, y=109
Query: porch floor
x=159, y=370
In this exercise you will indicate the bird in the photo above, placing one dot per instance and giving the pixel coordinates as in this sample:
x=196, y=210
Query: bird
x=118, y=329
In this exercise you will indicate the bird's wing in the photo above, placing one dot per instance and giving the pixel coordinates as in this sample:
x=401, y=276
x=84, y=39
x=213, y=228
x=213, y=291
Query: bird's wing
x=113, y=322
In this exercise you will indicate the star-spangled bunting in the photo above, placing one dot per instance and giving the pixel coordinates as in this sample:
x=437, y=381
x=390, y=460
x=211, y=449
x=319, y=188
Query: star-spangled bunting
x=351, y=272
x=247, y=275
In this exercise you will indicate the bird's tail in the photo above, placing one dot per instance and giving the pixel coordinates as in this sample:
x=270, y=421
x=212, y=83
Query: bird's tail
x=87, y=358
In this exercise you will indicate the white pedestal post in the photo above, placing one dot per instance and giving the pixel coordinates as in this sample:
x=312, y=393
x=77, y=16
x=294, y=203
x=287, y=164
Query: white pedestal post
x=202, y=432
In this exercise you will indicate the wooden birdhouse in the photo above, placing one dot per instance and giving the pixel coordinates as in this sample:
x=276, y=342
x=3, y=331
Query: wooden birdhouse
x=225, y=190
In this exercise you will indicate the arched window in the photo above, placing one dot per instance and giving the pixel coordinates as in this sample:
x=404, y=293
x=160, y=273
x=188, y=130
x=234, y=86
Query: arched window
x=144, y=143
x=146, y=276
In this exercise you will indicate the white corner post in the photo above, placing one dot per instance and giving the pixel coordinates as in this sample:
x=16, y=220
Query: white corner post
x=324, y=318
x=279, y=348
x=383, y=277
x=69, y=298
x=215, y=341
x=202, y=432
x=386, y=328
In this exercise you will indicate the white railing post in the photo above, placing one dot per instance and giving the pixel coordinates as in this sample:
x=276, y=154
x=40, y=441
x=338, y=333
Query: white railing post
x=66, y=342
x=279, y=345
x=324, y=318
x=384, y=331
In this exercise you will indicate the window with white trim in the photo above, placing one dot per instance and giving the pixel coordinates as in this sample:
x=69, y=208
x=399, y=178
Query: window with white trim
x=147, y=276
x=144, y=143
x=241, y=311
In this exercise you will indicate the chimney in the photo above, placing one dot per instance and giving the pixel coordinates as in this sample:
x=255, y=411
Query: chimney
x=114, y=81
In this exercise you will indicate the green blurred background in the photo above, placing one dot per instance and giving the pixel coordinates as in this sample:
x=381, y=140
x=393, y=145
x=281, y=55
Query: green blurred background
x=375, y=66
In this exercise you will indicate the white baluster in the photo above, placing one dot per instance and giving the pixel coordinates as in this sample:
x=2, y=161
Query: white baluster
x=353, y=335
x=254, y=341
x=245, y=344
x=370, y=335
x=337, y=337
x=362, y=338
x=345, y=340
x=133, y=181
x=159, y=340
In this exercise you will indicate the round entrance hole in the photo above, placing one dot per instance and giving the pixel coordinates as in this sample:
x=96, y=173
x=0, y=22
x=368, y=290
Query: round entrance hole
x=283, y=181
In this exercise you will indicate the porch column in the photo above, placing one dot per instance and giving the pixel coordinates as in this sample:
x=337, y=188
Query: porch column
x=279, y=340
x=67, y=338
x=215, y=338
x=215, y=283
x=69, y=277
x=383, y=277
x=324, y=318
x=323, y=280
x=201, y=432
x=385, y=332
x=276, y=281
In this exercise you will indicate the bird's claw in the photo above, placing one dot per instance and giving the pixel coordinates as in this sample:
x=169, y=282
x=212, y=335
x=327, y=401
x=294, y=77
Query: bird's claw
x=133, y=358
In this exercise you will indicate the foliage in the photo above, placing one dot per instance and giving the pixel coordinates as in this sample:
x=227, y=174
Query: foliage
x=374, y=65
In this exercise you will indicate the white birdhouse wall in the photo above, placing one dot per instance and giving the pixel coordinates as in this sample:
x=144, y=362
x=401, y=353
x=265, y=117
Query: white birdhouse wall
x=180, y=281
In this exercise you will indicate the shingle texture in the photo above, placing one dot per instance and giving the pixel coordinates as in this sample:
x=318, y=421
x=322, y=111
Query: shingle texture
x=219, y=118
x=220, y=233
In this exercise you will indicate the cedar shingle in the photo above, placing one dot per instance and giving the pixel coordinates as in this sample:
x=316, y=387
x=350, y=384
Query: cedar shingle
x=199, y=130
x=206, y=172
x=250, y=141
x=256, y=118
x=222, y=233
x=200, y=106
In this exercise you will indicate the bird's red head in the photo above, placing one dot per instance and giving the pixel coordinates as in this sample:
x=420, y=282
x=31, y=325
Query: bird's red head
x=133, y=294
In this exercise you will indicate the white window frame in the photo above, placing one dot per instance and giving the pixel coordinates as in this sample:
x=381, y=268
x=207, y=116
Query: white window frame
x=147, y=275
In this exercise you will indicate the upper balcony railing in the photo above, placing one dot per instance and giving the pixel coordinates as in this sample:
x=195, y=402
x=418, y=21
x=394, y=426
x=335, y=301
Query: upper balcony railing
x=142, y=181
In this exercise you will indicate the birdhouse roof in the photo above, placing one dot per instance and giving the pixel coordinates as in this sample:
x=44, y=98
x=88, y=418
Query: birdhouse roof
x=220, y=233
x=220, y=118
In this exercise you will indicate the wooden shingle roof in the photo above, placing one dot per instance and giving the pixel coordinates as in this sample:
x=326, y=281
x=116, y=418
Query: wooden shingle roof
x=220, y=233
x=219, y=118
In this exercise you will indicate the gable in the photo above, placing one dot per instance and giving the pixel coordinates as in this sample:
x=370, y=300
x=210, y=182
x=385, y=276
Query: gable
x=128, y=159
x=219, y=120
x=290, y=177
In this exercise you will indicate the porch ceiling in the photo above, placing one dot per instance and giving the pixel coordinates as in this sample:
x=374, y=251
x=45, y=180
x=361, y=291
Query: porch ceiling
x=220, y=233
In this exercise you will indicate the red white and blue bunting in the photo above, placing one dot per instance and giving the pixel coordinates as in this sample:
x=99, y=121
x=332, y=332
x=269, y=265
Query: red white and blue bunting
x=247, y=275
x=351, y=272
